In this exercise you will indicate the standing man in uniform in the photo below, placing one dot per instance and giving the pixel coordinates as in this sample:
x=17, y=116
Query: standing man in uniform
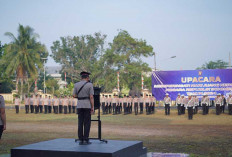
x=150, y=105
x=167, y=103
x=17, y=103
x=223, y=103
x=147, y=104
x=107, y=104
x=103, y=103
x=125, y=104
x=56, y=103
x=190, y=106
x=65, y=104
x=153, y=100
x=40, y=104
x=130, y=103
x=35, y=104
x=114, y=103
x=208, y=104
x=60, y=104
x=70, y=104
x=182, y=104
x=196, y=104
x=136, y=104
x=204, y=104
x=120, y=101
x=27, y=103
x=2, y=115
x=229, y=103
x=178, y=104
x=110, y=104
x=218, y=103
x=84, y=92
x=74, y=105
x=49, y=104
x=141, y=103
x=31, y=103
x=45, y=104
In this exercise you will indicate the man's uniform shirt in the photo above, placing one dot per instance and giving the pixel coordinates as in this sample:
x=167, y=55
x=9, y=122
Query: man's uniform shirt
x=50, y=102
x=229, y=100
x=86, y=91
x=31, y=101
x=74, y=102
x=102, y=99
x=41, y=101
x=56, y=101
x=218, y=100
x=27, y=101
x=114, y=101
x=205, y=100
x=17, y=101
x=65, y=102
x=45, y=101
x=178, y=100
x=182, y=101
x=141, y=100
x=196, y=101
x=167, y=100
x=135, y=100
x=147, y=100
x=124, y=100
x=190, y=103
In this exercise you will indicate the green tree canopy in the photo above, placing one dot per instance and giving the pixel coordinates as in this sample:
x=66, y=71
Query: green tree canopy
x=218, y=64
x=87, y=52
x=23, y=55
x=78, y=53
x=124, y=55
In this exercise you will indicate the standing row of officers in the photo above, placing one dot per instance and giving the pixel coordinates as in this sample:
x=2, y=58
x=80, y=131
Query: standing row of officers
x=118, y=105
x=191, y=103
x=37, y=104
x=115, y=105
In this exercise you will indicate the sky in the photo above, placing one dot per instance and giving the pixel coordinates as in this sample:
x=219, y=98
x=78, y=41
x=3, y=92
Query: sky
x=195, y=31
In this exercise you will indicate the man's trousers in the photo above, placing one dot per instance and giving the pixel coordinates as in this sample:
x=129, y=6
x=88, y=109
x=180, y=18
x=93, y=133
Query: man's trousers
x=27, y=109
x=179, y=109
x=141, y=108
x=32, y=108
x=167, y=109
x=218, y=109
x=17, y=109
x=230, y=109
x=84, y=122
x=204, y=109
x=65, y=109
x=190, y=113
x=136, y=108
x=45, y=109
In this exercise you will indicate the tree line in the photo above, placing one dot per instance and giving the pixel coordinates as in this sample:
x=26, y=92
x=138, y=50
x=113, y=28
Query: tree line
x=21, y=61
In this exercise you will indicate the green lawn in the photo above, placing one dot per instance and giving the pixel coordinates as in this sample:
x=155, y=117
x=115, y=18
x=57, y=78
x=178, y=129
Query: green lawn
x=209, y=135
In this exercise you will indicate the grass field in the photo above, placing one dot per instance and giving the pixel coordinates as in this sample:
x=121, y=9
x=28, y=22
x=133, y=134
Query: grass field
x=208, y=135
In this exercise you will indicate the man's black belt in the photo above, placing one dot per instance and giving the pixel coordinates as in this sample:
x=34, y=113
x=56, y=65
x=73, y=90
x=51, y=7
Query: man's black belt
x=83, y=98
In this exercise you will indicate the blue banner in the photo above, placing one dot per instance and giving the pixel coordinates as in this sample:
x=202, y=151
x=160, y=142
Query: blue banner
x=197, y=82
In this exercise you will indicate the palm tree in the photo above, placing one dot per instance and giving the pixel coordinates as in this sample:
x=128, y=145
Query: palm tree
x=23, y=55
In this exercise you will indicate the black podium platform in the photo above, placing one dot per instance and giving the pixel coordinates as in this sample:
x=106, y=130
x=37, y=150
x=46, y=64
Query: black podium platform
x=68, y=148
